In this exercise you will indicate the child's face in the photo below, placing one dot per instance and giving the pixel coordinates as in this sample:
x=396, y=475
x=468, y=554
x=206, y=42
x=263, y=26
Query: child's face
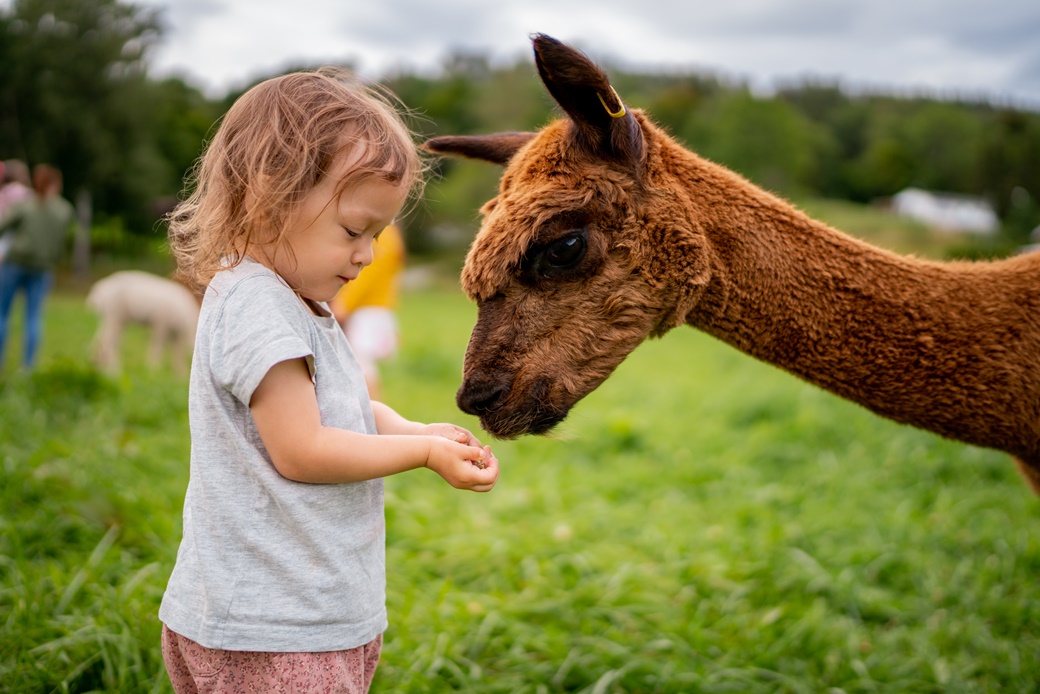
x=332, y=241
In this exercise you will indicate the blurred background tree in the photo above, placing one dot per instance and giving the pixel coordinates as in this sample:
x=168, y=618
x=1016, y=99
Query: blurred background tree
x=74, y=92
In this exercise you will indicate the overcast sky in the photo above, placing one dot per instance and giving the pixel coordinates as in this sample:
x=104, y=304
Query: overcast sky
x=985, y=48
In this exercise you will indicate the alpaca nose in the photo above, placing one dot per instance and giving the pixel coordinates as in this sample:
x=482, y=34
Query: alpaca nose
x=479, y=394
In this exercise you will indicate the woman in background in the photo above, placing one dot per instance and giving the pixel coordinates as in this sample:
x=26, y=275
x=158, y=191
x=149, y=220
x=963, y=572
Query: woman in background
x=39, y=227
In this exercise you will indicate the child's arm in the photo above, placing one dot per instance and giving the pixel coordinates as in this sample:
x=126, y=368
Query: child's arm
x=285, y=410
x=389, y=421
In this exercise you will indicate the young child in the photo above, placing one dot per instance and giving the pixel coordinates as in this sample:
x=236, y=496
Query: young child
x=279, y=583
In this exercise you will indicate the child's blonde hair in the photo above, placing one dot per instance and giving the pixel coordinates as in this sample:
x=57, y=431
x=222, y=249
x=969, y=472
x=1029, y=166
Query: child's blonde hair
x=275, y=144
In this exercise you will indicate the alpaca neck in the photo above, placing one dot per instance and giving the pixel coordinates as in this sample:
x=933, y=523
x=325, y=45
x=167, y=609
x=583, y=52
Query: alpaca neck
x=951, y=348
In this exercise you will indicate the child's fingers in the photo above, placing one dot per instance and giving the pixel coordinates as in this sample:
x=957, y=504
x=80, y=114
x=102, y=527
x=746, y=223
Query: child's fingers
x=489, y=476
x=488, y=473
x=464, y=436
x=475, y=455
x=489, y=460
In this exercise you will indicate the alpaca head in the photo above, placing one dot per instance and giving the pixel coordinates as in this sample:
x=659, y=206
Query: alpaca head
x=576, y=260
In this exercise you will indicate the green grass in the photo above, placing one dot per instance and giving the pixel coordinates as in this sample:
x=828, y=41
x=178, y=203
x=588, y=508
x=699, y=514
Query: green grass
x=701, y=523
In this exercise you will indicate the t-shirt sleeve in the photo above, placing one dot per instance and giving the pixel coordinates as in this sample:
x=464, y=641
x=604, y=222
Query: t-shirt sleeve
x=259, y=325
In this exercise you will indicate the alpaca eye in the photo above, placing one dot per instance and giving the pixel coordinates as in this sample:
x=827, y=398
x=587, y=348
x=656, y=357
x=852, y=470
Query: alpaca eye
x=566, y=252
x=558, y=259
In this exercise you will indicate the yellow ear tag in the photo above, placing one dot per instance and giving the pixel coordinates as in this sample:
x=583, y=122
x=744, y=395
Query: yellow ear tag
x=620, y=113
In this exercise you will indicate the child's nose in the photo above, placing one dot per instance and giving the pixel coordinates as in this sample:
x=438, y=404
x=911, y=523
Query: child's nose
x=364, y=256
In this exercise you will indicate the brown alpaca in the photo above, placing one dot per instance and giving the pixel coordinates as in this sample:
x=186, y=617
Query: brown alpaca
x=606, y=231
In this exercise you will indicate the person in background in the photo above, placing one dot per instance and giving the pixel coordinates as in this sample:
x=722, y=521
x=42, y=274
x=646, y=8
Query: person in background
x=40, y=225
x=366, y=307
x=14, y=186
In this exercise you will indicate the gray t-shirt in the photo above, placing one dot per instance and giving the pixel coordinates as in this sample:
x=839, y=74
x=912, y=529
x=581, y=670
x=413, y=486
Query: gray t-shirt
x=266, y=563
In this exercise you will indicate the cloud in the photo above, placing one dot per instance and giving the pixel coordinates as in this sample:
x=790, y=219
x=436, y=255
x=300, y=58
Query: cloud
x=942, y=45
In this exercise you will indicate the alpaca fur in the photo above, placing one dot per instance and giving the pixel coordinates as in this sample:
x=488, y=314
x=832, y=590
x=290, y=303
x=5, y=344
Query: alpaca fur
x=167, y=307
x=606, y=231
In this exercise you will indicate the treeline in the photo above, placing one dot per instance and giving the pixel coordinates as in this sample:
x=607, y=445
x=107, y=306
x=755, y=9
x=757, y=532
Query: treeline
x=807, y=139
x=75, y=91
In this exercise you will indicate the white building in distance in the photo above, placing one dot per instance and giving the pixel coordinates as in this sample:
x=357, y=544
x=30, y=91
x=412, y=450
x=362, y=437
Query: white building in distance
x=947, y=211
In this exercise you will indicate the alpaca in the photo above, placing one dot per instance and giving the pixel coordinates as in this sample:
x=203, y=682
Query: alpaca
x=606, y=231
x=167, y=307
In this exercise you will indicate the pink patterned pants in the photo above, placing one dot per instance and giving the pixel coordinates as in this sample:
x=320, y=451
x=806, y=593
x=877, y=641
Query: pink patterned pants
x=195, y=669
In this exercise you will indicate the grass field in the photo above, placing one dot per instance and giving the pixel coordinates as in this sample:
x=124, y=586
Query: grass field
x=702, y=523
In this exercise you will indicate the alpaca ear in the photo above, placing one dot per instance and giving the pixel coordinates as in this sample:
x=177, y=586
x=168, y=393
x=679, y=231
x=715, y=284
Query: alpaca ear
x=497, y=149
x=603, y=124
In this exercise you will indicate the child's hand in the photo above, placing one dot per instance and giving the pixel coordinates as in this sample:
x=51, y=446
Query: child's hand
x=450, y=431
x=463, y=466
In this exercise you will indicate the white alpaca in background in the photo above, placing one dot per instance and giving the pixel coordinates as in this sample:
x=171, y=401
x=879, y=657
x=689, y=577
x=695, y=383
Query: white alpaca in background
x=167, y=307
